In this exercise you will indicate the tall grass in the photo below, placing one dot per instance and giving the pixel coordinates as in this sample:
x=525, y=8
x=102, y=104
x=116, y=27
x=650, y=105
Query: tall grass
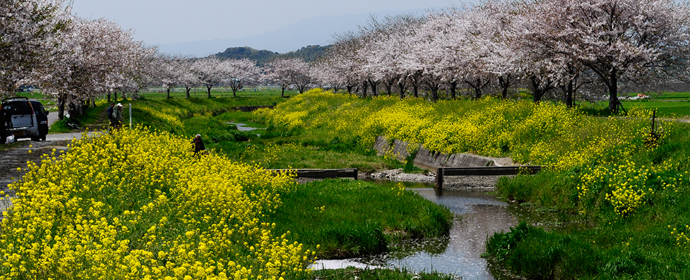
x=352, y=218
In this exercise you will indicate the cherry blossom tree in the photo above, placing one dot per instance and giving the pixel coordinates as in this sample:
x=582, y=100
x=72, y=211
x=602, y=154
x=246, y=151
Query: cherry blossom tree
x=93, y=57
x=548, y=44
x=425, y=55
x=238, y=73
x=209, y=72
x=187, y=77
x=287, y=72
x=390, y=50
x=28, y=29
x=617, y=39
x=167, y=71
x=343, y=69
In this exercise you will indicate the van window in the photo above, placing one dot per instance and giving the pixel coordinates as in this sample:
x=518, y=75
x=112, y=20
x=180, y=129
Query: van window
x=20, y=108
x=38, y=108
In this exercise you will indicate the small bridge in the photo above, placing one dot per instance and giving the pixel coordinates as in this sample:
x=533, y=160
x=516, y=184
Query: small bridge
x=321, y=173
x=483, y=171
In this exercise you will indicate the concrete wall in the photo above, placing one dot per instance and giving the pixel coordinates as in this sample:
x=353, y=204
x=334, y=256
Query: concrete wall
x=399, y=149
x=428, y=159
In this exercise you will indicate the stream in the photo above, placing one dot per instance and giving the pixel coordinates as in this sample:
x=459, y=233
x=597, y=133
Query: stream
x=478, y=216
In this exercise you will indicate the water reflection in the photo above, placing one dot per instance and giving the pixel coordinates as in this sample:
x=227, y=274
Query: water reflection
x=243, y=127
x=480, y=215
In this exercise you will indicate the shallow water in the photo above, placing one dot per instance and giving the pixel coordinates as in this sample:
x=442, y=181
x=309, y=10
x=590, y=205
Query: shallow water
x=479, y=215
x=243, y=127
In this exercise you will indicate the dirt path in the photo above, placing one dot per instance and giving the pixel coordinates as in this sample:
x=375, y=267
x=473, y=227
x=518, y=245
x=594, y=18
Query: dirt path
x=17, y=156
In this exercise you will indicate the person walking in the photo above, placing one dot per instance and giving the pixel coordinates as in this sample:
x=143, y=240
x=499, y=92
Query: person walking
x=117, y=115
x=198, y=145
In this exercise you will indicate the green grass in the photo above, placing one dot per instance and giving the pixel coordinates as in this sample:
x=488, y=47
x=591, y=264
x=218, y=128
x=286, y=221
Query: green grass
x=351, y=218
x=672, y=96
x=596, y=243
x=275, y=148
x=48, y=102
x=667, y=104
x=676, y=109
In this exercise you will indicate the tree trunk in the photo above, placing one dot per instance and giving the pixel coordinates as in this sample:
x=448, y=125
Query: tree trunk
x=282, y=92
x=109, y=98
x=82, y=107
x=61, y=107
x=434, y=93
x=374, y=88
x=539, y=88
x=414, y=80
x=402, y=86
x=434, y=90
x=168, y=95
x=234, y=92
x=389, y=87
x=569, y=93
x=613, y=91
x=365, y=86
x=188, y=89
x=115, y=95
x=349, y=88
x=504, y=82
x=209, y=91
x=453, y=86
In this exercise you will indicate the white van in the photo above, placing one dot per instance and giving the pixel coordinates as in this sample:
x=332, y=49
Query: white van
x=24, y=118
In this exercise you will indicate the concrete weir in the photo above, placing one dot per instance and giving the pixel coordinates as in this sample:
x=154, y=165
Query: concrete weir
x=427, y=159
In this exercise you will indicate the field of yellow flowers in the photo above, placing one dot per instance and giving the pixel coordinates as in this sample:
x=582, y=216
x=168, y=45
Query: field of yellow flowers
x=137, y=204
x=623, y=193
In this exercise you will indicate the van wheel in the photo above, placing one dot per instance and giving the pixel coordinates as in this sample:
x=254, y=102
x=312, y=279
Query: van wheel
x=36, y=138
x=43, y=137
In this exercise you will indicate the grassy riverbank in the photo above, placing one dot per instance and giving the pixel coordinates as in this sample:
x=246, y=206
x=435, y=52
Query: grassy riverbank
x=623, y=193
x=353, y=218
x=276, y=147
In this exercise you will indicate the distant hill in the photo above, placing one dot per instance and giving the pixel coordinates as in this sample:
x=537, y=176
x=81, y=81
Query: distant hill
x=308, y=53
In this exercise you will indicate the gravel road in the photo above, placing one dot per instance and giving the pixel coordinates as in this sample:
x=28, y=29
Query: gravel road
x=18, y=155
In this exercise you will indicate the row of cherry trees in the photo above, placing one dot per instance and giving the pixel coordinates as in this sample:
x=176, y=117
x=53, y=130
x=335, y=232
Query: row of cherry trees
x=545, y=45
x=71, y=59
x=549, y=44
x=175, y=71
x=76, y=60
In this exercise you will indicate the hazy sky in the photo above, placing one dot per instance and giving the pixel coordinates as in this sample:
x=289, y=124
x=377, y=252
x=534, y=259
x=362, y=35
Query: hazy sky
x=171, y=21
